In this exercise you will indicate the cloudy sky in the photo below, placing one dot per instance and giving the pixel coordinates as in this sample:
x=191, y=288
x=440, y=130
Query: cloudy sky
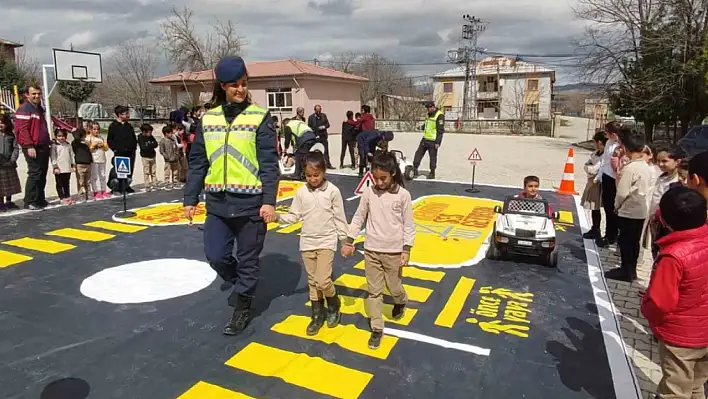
x=407, y=31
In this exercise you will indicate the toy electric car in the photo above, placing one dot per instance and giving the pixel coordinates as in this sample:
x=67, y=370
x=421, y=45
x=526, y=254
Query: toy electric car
x=406, y=168
x=524, y=227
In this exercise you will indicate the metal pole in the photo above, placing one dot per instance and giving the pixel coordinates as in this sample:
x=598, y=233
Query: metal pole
x=47, y=93
x=473, y=189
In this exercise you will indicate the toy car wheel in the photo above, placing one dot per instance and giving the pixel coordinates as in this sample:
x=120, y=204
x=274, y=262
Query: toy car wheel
x=551, y=260
x=408, y=173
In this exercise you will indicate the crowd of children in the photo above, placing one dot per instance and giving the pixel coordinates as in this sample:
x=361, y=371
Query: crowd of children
x=658, y=201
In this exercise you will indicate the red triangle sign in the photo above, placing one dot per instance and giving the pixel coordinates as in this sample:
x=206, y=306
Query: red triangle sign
x=475, y=156
x=366, y=182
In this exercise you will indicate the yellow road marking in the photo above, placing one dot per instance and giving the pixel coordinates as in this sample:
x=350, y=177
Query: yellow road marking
x=346, y=336
x=302, y=370
x=291, y=228
x=204, y=390
x=35, y=244
x=10, y=258
x=414, y=272
x=415, y=293
x=83, y=235
x=565, y=217
x=113, y=226
x=455, y=303
x=353, y=306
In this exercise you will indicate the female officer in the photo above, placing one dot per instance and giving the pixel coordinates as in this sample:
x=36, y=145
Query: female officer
x=234, y=158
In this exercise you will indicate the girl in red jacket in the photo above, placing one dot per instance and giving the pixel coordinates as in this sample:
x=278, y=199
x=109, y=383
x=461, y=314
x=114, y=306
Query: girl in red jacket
x=676, y=302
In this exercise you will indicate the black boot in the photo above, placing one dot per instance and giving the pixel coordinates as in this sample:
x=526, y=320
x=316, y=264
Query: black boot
x=431, y=175
x=375, y=339
x=318, y=317
x=415, y=172
x=240, y=317
x=333, y=314
x=398, y=310
x=593, y=234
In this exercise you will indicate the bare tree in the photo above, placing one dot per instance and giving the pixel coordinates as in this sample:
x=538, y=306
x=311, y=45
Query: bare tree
x=133, y=65
x=188, y=51
x=345, y=62
x=522, y=104
x=28, y=66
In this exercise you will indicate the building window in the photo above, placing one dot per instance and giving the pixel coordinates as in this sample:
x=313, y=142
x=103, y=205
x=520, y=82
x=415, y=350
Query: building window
x=280, y=100
x=447, y=87
x=532, y=85
x=532, y=111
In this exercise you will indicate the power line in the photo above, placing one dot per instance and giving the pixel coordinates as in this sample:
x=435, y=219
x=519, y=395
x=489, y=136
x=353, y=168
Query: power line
x=467, y=55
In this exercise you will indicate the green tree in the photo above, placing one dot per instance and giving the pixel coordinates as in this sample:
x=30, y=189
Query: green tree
x=10, y=75
x=77, y=92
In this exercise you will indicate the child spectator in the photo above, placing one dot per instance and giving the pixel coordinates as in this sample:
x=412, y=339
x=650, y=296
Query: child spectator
x=682, y=174
x=180, y=136
x=147, y=145
x=9, y=152
x=62, y=157
x=667, y=162
x=698, y=173
x=631, y=205
x=170, y=152
x=98, y=148
x=591, y=198
x=531, y=185
x=320, y=206
x=387, y=210
x=84, y=159
x=676, y=302
x=607, y=177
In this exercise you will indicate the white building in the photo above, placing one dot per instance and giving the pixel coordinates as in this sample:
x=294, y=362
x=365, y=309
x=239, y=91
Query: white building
x=506, y=88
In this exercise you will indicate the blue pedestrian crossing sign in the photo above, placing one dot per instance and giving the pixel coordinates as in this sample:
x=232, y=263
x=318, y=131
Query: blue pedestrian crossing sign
x=122, y=165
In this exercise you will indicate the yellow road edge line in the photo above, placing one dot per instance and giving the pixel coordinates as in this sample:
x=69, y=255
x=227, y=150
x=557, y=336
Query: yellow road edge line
x=36, y=244
x=415, y=293
x=79, y=234
x=565, y=217
x=455, y=303
x=357, y=306
x=414, y=272
x=113, y=226
x=8, y=258
x=346, y=336
x=204, y=390
x=291, y=228
x=302, y=370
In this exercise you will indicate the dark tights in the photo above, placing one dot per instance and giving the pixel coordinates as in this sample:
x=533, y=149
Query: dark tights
x=596, y=219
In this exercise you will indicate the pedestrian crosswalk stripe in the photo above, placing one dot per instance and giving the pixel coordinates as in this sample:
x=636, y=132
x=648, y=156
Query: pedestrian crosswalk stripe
x=455, y=303
x=113, y=226
x=310, y=372
x=83, y=235
x=413, y=272
x=35, y=244
x=10, y=258
x=289, y=229
x=356, y=306
x=347, y=336
x=204, y=390
x=415, y=293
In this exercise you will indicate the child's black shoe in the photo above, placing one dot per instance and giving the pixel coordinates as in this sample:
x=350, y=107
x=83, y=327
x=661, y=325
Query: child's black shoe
x=398, y=310
x=375, y=339
x=318, y=317
x=333, y=314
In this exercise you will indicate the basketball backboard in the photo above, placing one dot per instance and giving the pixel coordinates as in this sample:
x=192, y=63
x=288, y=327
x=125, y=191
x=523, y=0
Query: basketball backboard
x=71, y=65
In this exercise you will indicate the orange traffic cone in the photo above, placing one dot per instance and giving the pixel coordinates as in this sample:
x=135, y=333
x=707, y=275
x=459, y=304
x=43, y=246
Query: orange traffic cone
x=567, y=185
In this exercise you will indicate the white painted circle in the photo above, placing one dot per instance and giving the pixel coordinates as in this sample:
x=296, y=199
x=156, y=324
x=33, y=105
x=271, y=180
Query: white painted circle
x=148, y=281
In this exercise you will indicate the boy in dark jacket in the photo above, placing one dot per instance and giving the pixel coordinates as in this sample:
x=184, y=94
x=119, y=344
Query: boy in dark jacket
x=348, y=139
x=367, y=142
x=121, y=139
x=83, y=160
x=676, y=302
x=148, y=144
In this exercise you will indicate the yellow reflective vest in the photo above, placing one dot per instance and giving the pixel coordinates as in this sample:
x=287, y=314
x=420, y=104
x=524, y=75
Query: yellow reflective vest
x=431, y=127
x=298, y=127
x=233, y=164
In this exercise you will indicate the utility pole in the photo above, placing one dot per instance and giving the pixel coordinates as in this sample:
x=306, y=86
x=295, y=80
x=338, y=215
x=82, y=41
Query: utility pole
x=467, y=55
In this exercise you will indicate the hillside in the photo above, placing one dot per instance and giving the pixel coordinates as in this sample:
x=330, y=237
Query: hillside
x=577, y=87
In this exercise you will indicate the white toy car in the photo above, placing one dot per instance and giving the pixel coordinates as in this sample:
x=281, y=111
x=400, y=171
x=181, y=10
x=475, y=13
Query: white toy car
x=524, y=227
x=406, y=168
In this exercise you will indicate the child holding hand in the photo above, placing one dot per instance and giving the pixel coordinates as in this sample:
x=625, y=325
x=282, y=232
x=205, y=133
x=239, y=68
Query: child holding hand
x=388, y=211
x=320, y=206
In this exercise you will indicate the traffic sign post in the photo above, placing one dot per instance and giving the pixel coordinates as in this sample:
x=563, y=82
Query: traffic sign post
x=122, y=165
x=474, y=157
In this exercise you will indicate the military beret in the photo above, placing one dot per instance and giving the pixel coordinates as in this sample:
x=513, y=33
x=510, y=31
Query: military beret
x=230, y=69
x=429, y=104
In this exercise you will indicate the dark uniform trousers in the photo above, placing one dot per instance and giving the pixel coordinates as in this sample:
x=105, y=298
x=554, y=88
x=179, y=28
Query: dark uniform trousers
x=429, y=147
x=302, y=150
x=243, y=271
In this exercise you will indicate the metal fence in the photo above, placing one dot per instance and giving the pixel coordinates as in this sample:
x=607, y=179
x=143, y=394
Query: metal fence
x=7, y=100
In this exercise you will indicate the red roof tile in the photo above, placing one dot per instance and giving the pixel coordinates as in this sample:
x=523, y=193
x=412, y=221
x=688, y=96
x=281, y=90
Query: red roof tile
x=265, y=69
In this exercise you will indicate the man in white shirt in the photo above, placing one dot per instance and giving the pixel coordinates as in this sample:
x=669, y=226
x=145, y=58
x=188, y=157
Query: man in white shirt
x=608, y=180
